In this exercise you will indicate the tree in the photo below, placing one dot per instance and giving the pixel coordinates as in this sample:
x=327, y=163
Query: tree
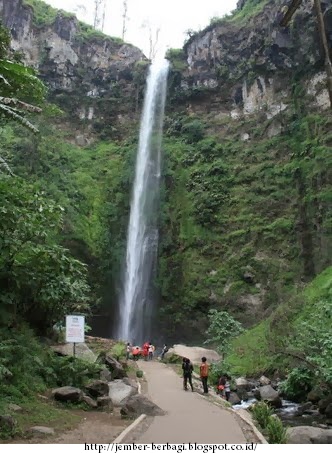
x=124, y=18
x=153, y=37
x=40, y=282
x=222, y=328
x=99, y=14
x=19, y=86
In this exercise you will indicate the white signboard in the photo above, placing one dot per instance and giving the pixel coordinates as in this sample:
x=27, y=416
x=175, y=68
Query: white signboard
x=74, y=329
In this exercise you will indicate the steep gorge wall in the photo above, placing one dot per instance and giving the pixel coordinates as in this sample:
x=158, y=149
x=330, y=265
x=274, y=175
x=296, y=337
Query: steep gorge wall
x=97, y=80
x=248, y=217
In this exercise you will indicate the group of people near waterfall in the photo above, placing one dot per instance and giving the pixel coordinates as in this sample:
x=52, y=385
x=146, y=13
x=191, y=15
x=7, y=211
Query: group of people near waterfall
x=146, y=351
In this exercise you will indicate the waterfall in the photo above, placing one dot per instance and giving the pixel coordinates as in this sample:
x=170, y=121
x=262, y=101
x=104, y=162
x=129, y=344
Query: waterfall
x=138, y=297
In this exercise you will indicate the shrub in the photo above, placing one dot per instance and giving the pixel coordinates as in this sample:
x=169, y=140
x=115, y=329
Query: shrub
x=139, y=373
x=118, y=351
x=298, y=384
x=277, y=433
x=262, y=413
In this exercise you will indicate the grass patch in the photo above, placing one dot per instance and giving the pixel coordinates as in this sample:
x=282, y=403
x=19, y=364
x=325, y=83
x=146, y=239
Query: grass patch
x=39, y=412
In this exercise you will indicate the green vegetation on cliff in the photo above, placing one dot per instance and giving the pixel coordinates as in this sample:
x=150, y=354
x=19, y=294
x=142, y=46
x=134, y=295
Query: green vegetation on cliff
x=242, y=221
x=298, y=333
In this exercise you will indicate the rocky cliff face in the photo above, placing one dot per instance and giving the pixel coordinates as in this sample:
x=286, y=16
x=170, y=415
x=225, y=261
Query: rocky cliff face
x=249, y=63
x=93, y=77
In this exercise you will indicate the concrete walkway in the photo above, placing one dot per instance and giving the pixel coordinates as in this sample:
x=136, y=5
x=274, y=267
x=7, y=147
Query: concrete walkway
x=190, y=418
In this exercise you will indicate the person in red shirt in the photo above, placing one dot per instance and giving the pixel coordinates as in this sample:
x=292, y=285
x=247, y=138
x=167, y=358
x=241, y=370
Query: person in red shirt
x=146, y=350
x=204, y=373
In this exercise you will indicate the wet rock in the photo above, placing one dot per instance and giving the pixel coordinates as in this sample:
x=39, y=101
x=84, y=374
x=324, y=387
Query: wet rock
x=314, y=395
x=139, y=404
x=328, y=411
x=97, y=388
x=67, y=394
x=242, y=394
x=309, y=435
x=324, y=403
x=90, y=402
x=303, y=408
x=234, y=398
x=269, y=395
x=41, y=431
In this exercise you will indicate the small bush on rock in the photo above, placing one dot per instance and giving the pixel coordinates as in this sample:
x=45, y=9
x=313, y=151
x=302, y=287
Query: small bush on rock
x=139, y=373
x=277, y=433
x=262, y=413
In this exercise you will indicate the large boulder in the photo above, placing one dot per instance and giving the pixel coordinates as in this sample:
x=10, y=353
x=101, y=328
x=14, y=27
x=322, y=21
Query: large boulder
x=82, y=351
x=97, y=388
x=118, y=372
x=234, y=398
x=309, y=435
x=242, y=394
x=67, y=394
x=106, y=375
x=41, y=431
x=243, y=383
x=7, y=423
x=328, y=411
x=105, y=402
x=324, y=403
x=315, y=395
x=139, y=404
x=90, y=402
x=263, y=380
x=119, y=391
x=269, y=395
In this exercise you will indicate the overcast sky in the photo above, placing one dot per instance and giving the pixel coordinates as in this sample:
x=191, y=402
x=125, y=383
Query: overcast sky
x=173, y=17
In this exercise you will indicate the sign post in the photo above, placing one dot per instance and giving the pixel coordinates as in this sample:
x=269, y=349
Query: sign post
x=75, y=330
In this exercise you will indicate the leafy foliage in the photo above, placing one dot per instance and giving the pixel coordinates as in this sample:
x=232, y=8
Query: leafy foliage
x=40, y=280
x=298, y=384
x=277, y=433
x=17, y=80
x=262, y=412
x=222, y=328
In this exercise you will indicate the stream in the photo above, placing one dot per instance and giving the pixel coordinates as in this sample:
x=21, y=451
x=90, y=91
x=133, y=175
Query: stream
x=289, y=414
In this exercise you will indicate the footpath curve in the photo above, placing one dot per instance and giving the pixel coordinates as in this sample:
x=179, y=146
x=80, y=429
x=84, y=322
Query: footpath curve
x=189, y=417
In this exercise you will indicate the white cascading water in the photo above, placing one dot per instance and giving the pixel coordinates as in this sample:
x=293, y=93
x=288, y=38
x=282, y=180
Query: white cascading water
x=137, y=299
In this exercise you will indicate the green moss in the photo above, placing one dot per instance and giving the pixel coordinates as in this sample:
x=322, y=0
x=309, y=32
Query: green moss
x=44, y=14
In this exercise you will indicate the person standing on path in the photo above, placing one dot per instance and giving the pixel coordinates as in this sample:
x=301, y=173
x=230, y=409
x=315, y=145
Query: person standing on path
x=188, y=369
x=204, y=373
x=128, y=350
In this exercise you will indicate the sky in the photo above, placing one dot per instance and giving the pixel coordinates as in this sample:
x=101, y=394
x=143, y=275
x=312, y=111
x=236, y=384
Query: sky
x=145, y=17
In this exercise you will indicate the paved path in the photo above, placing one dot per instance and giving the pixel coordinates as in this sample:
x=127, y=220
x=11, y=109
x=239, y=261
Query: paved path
x=190, y=418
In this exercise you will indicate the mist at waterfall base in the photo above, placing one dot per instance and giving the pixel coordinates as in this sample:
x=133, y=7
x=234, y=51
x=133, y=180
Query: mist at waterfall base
x=138, y=297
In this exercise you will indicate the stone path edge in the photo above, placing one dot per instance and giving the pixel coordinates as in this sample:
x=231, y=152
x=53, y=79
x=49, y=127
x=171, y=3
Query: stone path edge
x=256, y=431
x=129, y=428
